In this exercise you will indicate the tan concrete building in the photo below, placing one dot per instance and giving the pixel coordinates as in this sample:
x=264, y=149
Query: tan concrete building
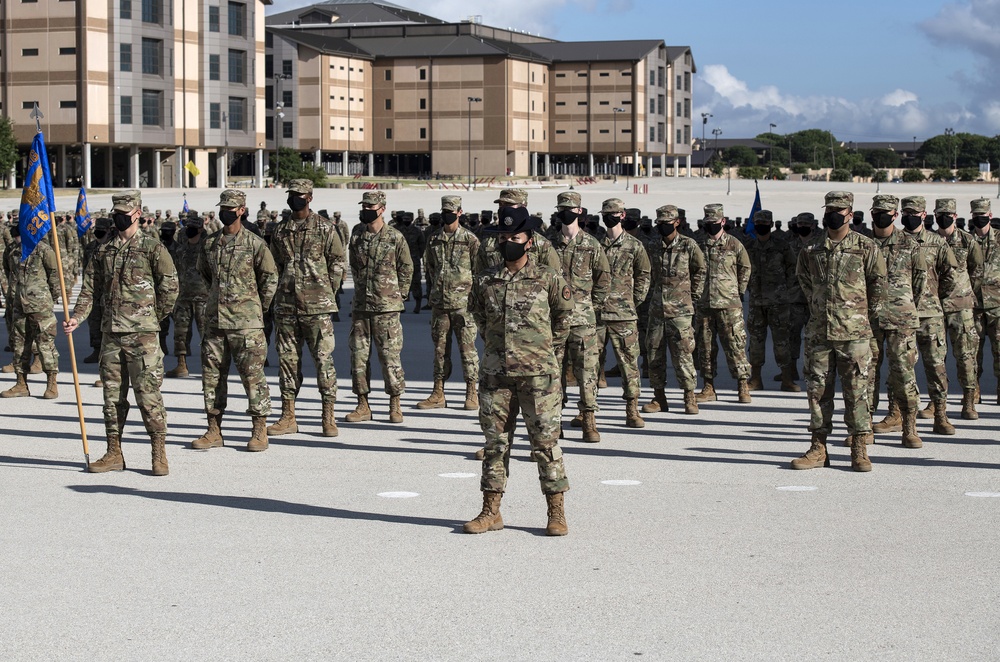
x=132, y=90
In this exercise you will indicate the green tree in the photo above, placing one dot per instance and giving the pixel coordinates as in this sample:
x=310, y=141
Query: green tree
x=800, y=168
x=941, y=174
x=881, y=176
x=8, y=146
x=752, y=172
x=863, y=169
x=717, y=167
x=882, y=158
x=968, y=174
x=290, y=166
x=740, y=155
x=912, y=175
x=813, y=146
x=841, y=175
x=774, y=172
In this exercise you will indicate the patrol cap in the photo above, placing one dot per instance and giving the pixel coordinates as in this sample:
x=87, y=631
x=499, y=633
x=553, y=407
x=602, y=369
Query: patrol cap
x=763, y=216
x=945, y=206
x=612, y=206
x=513, y=196
x=450, y=203
x=158, y=212
x=301, y=186
x=168, y=225
x=336, y=214
x=885, y=202
x=568, y=200
x=324, y=213
x=376, y=198
x=839, y=199
x=914, y=203
x=633, y=212
x=667, y=213
x=102, y=222
x=980, y=206
x=420, y=212
x=513, y=220
x=194, y=221
x=806, y=217
x=126, y=201
x=713, y=212
x=232, y=198
x=169, y=212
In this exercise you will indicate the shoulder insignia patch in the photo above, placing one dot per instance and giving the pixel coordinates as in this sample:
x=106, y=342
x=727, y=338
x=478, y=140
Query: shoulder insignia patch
x=566, y=294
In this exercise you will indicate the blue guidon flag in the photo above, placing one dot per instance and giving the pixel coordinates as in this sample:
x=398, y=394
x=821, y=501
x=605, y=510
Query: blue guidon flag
x=37, y=200
x=749, y=228
x=185, y=208
x=83, y=221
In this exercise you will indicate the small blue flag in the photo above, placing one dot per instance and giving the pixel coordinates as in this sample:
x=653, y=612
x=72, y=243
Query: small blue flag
x=37, y=200
x=186, y=208
x=82, y=213
x=749, y=231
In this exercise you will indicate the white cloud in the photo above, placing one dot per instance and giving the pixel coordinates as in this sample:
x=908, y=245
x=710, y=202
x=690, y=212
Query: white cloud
x=898, y=98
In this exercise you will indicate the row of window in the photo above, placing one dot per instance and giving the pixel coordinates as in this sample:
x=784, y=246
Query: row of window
x=560, y=132
x=684, y=83
x=559, y=104
x=30, y=105
x=601, y=74
x=33, y=52
x=152, y=12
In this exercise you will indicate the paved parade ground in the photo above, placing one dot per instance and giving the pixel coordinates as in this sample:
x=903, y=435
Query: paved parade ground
x=690, y=539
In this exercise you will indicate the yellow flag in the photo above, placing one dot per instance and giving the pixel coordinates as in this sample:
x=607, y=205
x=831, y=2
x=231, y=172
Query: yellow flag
x=192, y=168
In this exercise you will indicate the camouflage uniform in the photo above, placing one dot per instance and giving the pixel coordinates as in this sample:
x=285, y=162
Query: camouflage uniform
x=94, y=320
x=241, y=279
x=415, y=242
x=772, y=270
x=987, y=287
x=32, y=288
x=69, y=251
x=193, y=296
x=798, y=306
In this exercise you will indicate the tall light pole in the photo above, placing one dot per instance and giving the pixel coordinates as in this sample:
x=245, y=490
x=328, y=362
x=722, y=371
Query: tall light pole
x=951, y=139
x=615, y=148
x=277, y=117
x=472, y=100
x=704, y=121
x=771, y=127
x=715, y=132
x=225, y=128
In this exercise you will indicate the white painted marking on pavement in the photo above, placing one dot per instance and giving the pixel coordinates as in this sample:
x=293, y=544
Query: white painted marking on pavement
x=458, y=475
x=626, y=483
x=983, y=495
x=398, y=495
x=797, y=488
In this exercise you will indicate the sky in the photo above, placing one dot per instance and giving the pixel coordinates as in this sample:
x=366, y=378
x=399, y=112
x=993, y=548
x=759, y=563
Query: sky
x=867, y=70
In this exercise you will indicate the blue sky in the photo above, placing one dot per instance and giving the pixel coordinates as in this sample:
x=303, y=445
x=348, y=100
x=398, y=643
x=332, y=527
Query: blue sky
x=866, y=70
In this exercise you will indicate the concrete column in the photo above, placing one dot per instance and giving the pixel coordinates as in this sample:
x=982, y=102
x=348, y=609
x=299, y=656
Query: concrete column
x=85, y=153
x=371, y=164
x=318, y=158
x=13, y=178
x=220, y=169
x=677, y=166
x=635, y=164
x=548, y=165
x=346, y=161
x=154, y=173
x=649, y=166
x=259, y=168
x=61, y=166
x=663, y=165
x=688, y=165
x=109, y=171
x=182, y=175
x=590, y=165
x=133, y=166
x=534, y=164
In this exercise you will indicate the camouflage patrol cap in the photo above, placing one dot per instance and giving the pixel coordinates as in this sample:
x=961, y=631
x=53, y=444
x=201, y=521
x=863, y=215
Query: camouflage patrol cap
x=232, y=198
x=194, y=221
x=376, y=198
x=839, y=199
x=336, y=214
x=126, y=201
x=806, y=217
x=513, y=196
x=301, y=186
x=763, y=216
x=513, y=220
x=420, y=212
x=168, y=225
x=568, y=200
x=714, y=212
x=667, y=213
x=324, y=213
x=102, y=222
x=158, y=212
x=945, y=206
x=451, y=203
x=914, y=203
x=885, y=202
x=980, y=206
x=169, y=212
x=612, y=206
x=145, y=209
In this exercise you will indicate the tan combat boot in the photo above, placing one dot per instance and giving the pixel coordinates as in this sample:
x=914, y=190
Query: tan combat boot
x=395, y=413
x=969, y=412
x=557, y=515
x=570, y=376
x=160, y=467
x=815, y=457
x=481, y=454
x=436, y=399
x=471, y=397
x=978, y=399
x=941, y=423
x=51, y=387
x=113, y=459
x=258, y=439
x=287, y=423
x=658, y=403
x=602, y=380
x=361, y=413
x=892, y=421
x=181, y=370
x=910, y=437
x=213, y=436
x=690, y=403
x=590, y=433
x=927, y=412
x=330, y=428
x=755, y=383
x=18, y=390
x=577, y=421
x=859, y=453
x=632, y=417
x=707, y=392
x=743, y=392
x=8, y=369
x=489, y=519
x=788, y=381
x=36, y=366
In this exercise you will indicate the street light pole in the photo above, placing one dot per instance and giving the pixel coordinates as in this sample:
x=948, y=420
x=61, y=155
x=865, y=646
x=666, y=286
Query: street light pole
x=615, y=131
x=278, y=105
x=950, y=133
x=472, y=100
x=704, y=121
x=716, y=132
x=772, y=126
x=225, y=128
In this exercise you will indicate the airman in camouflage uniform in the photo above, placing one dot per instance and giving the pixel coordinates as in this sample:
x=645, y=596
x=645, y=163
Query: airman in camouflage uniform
x=489, y=257
x=69, y=250
x=415, y=241
x=720, y=308
x=772, y=263
x=241, y=279
x=844, y=278
x=193, y=296
x=382, y=272
x=139, y=285
x=32, y=288
x=585, y=268
x=103, y=233
x=803, y=232
x=311, y=263
x=448, y=258
x=941, y=266
x=524, y=309
x=677, y=281
x=895, y=327
x=987, y=286
x=959, y=318
x=618, y=320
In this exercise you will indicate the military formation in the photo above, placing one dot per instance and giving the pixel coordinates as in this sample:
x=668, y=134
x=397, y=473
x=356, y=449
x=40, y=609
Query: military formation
x=545, y=299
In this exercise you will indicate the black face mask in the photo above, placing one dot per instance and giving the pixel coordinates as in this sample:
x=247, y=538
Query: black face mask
x=191, y=232
x=802, y=231
x=166, y=235
x=568, y=216
x=666, y=230
x=882, y=220
x=406, y=220
x=980, y=221
x=712, y=228
x=630, y=224
x=98, y=234
x=911, y=222
x=834, y=220
x=15, y=231
x=122, y=221
x=447, y=217
x=297, y=203
x=610, y=220
x=369, y=215
x=945, y=221
x=228, y=216
x=762, y=230
x=511, y=251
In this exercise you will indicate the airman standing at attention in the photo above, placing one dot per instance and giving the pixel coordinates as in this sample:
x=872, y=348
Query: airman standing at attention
x=987, y=288
x=803, y=232
x=193, y=297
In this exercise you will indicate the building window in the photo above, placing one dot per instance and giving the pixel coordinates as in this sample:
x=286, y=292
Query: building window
x=604, y=74
x=423, y=133
x=581, y=103
x=581, y=74
x=626, y=130
x=269, y=96
x=687, y=81
x=423, y=74
x=215, y=115
x=652, y=105
x=560, y=103
x=680, y=83
x=661, y=133
x=68, y=104
x=679, y=138
x=388, y=134
x=560, y=76
x=680, y=109
x=268, y=130
x=560, y=132
x=237, y=19
x=661, y=104
x=652, y=77
x=213, y=19
x=388, y=104
x=423, y=104
x=661, y=78
x=152, y=56
x=605, y=131
x=125, y=55
x=268, y=67
x=238, y=114
x=286, y=67
x=28, y=105
x=583, y=131
x=152, y=11
x=388, y=74
x=68, y=50
x=605, y=103
x=29, y=52
x=286, y=130
x=237, y=66
x=532, y=134
x=269, y=40
x=626, y=74
x=652, y=134
x=126, y=109
x=687, y=108
x=214, y=67
x=687, y=135
x=286, y=98
x=125, y=9
x=152, y=108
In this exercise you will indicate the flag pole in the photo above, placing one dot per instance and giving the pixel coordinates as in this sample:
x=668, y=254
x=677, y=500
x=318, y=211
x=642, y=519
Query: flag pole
x=37, y=116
